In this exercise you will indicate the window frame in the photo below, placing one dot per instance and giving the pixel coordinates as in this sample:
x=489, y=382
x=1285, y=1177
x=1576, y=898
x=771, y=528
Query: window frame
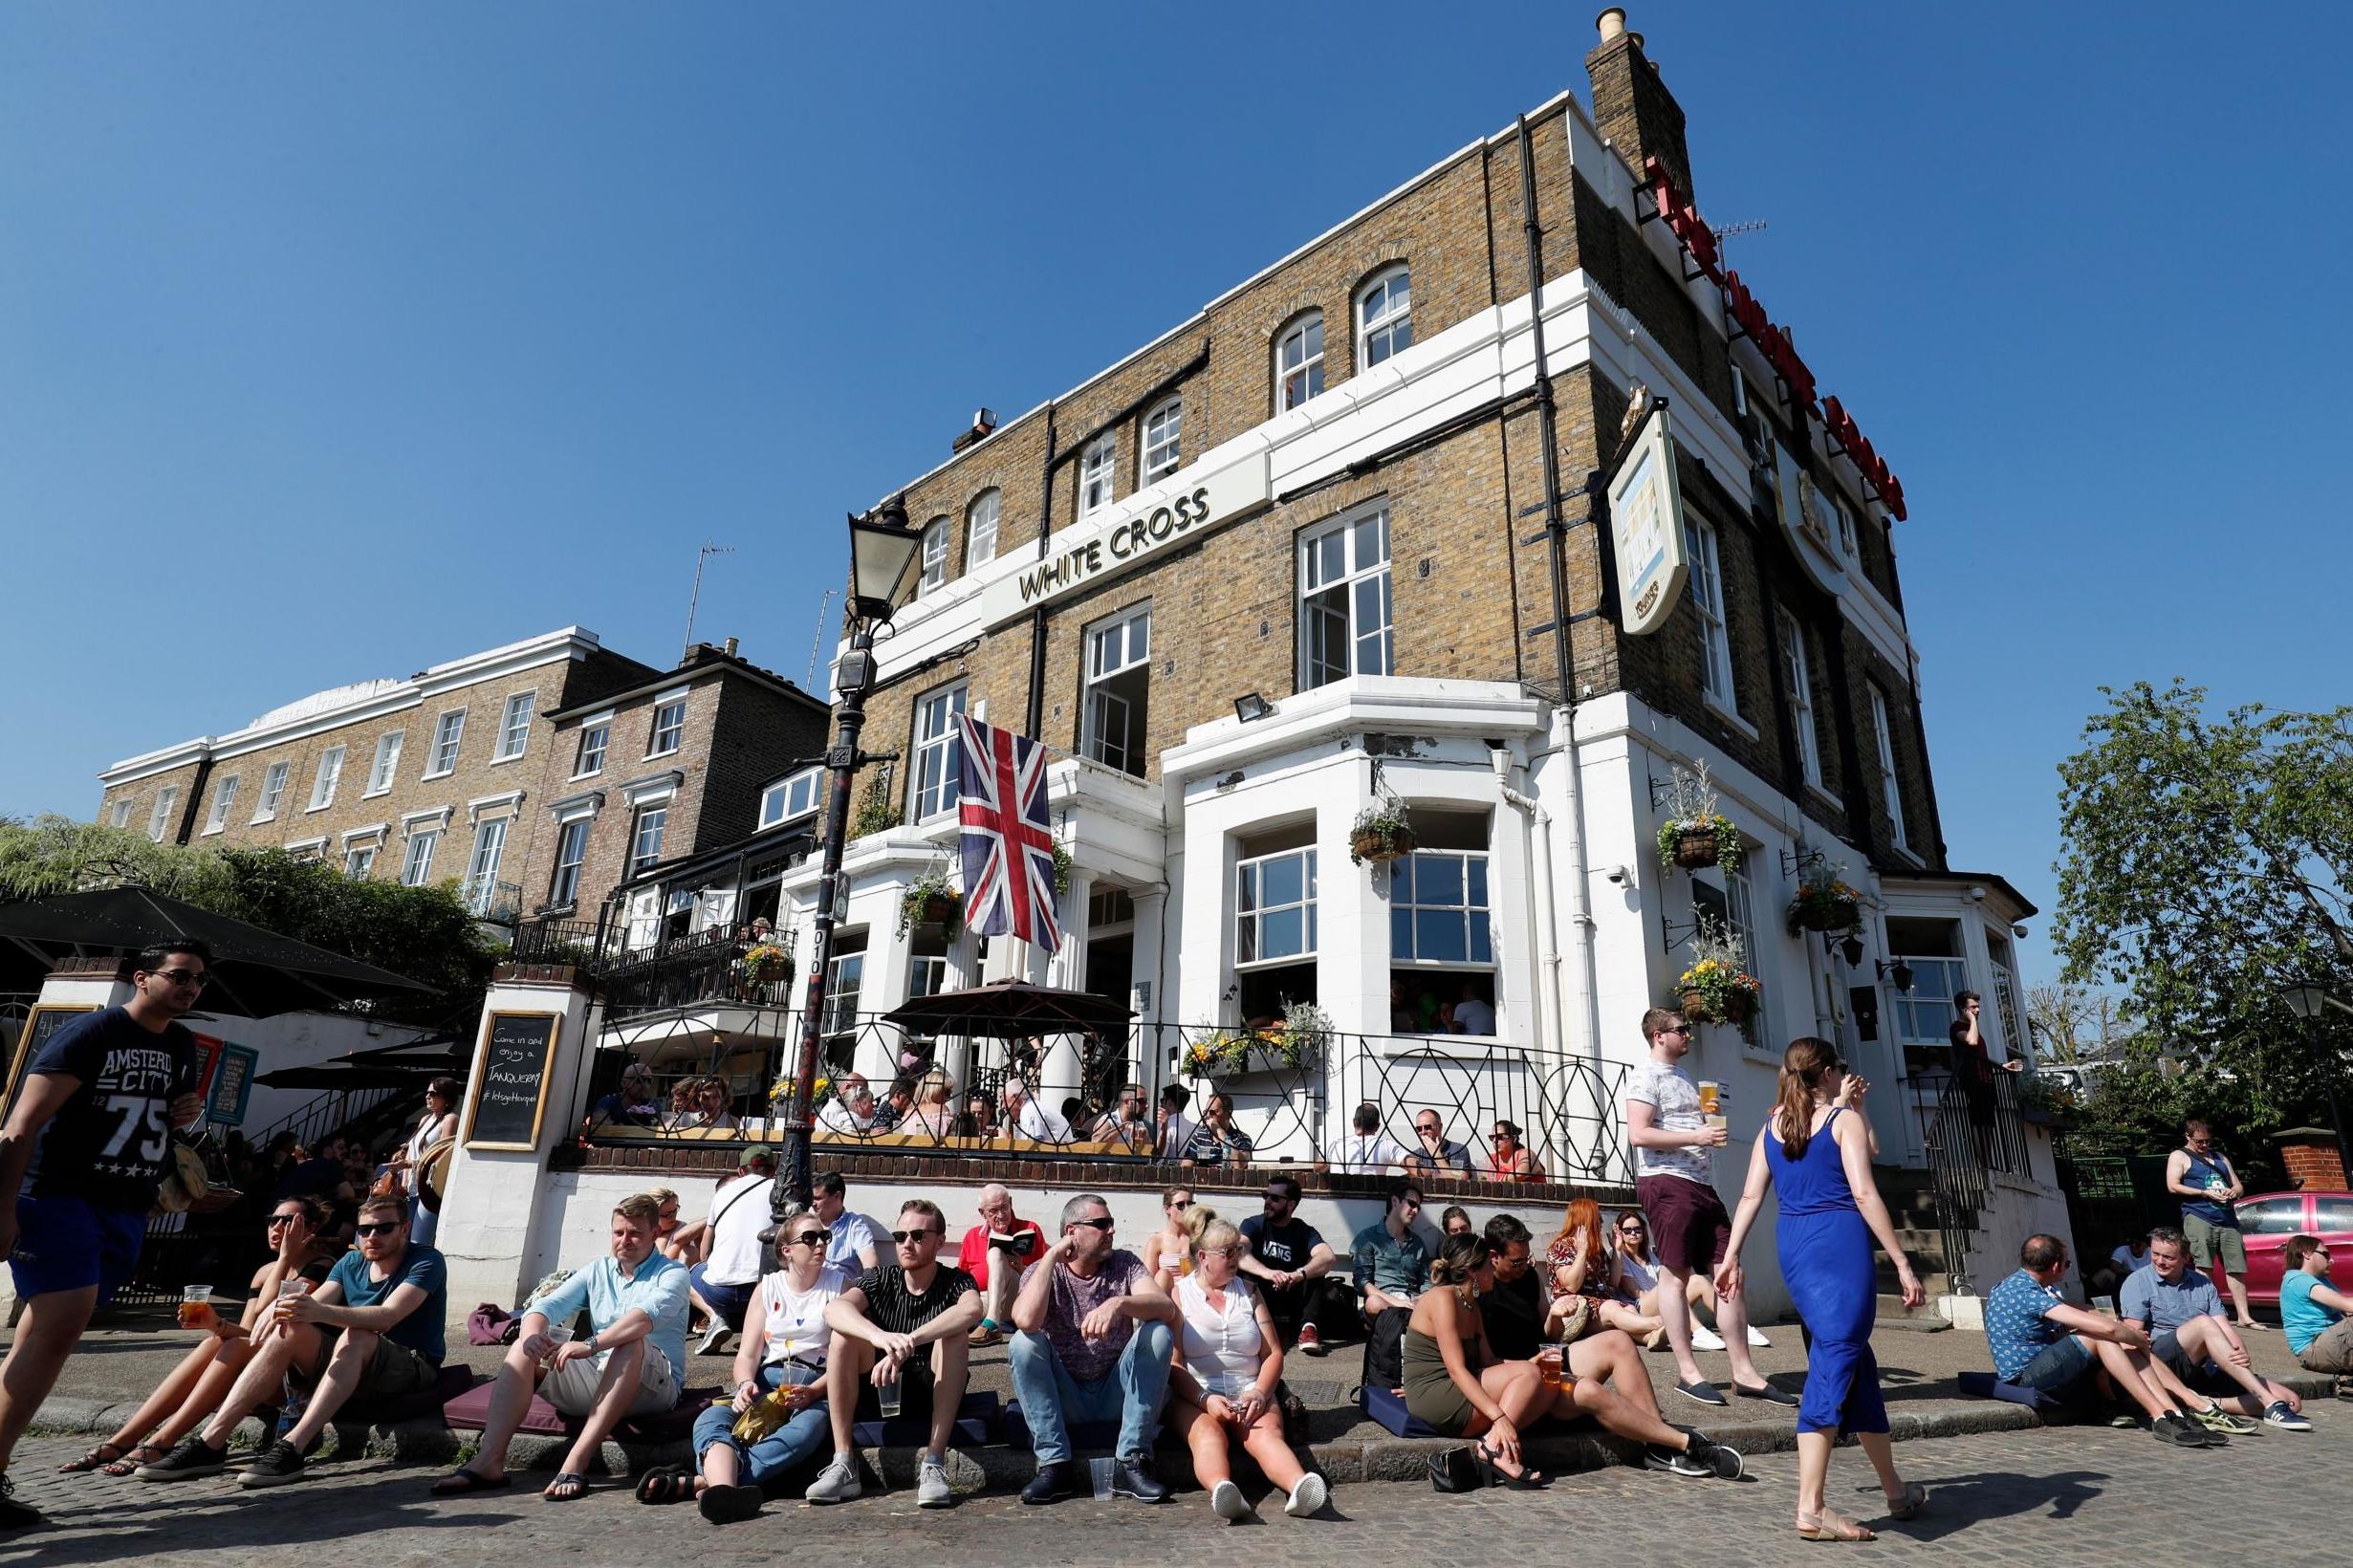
x=1797, y=674
x=956, y=698
x=571, y=836
x=1250, y=880
x=980, y=547
x=223, y=799
x=327, y=777
x=783, y=789
x=602, y=730
x=1094, y=683
x=1169, y=414
x=1099, y=469
x=274, y=781
x=448, y=741
x=1396, y=317
x=667, y=701
x=490, y=835
x=1478, y=919
x=655, y=817
x=159, y=819
x=416, y=873
x=508, y=713
x=118, y=814
x=385, y=766
x=1716, y=631
x=931, y=558
x=1892, y=785
x=359, y=861
x=1307, y=562
x=1310, y=368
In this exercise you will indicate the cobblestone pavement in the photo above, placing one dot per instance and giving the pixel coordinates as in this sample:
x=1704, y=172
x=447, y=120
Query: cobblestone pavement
x=2079, y=1495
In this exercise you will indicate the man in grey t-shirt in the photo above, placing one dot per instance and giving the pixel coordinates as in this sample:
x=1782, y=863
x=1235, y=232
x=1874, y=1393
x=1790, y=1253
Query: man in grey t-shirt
x=1690, y=1228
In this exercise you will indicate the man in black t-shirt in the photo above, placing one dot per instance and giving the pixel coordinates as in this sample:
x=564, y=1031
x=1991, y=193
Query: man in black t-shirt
x=881, y=1322
x=1287, y=1256
x=83, y=1152
x=1513, y=1311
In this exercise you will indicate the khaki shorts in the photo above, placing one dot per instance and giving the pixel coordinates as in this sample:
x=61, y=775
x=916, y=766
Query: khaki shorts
x=571, y=1388
x=393, y=1369
x=2207, y=1240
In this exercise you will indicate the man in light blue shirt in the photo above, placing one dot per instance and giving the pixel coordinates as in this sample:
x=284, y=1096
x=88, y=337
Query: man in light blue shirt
x=629, y=1365
x=2189, y=1331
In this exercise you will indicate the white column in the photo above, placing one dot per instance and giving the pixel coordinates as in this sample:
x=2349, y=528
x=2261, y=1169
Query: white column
x=497, y=1222
x=1148, y=1064
x=1066, y=968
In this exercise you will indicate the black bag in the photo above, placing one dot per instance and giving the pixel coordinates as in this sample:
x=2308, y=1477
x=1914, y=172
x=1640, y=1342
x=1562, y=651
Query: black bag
x=1454, y=1469
x=1385, y=1349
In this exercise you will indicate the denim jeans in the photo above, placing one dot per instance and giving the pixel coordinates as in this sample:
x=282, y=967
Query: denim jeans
x=1130, y=1392
x=422, y=1223
x=780, y=1450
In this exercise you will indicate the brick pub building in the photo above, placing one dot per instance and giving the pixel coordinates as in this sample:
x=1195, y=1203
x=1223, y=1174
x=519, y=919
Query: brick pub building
x=1296, y=557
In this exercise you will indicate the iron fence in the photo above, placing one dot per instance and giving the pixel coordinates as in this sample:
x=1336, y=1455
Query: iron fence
x=1969, y=1129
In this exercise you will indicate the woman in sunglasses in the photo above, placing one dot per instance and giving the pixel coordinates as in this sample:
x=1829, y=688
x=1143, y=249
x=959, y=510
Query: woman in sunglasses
x=195, y=1387
x=1166, y=1253
x=779, y=1382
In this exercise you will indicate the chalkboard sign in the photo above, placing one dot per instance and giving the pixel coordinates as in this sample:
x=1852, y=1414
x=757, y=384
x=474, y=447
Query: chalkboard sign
x=44, y=1021
x=510, y=1080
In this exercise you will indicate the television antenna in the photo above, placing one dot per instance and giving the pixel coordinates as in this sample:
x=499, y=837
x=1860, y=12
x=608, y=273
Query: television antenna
x=1747, y=226
x=816, y=644
x=695, y=600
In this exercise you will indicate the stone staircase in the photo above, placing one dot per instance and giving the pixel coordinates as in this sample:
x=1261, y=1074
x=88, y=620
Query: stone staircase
x=1911, y=1196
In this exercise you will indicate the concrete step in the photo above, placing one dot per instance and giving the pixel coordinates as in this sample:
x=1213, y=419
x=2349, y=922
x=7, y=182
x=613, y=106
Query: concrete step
x=1920, y=1319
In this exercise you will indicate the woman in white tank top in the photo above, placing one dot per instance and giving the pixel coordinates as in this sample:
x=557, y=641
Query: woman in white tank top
x=1221, y=1385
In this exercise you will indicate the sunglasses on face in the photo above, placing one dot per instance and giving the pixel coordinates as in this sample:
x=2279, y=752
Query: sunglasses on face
x=908, y=1238
x=1676, y=1029
x=812, y=1238
x=1280, y=1197
x=1427, y=1129
x=1182, y=1205
x=1104, y=1224
x=1408, y=1203
x=1631, y=1230
x=665, y=1213
x=276, y=1220
x=183, y=977
x=382, y=1228
x=1498, y=1137
x=1214, y=1251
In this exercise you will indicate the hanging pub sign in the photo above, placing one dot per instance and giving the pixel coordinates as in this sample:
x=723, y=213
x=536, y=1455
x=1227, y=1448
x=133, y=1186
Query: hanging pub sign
x=1774, y=342
x=1645, y=516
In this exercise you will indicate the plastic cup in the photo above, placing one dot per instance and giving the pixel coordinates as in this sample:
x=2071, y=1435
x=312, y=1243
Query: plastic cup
x=196, y=1307
x=1716, y=1119
x=1548, y=1363
x=291, y=1286
x=556, y=1337
x=886, y=1397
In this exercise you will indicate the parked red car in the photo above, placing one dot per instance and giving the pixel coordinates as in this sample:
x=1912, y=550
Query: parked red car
x=2268, y=1219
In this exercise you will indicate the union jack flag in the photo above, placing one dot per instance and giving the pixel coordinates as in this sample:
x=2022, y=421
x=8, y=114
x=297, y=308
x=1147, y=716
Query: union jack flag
x=1008, y=845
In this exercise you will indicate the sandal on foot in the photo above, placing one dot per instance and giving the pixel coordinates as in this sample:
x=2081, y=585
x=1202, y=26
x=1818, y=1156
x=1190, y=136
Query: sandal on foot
x=1490, y=1464
x=98, y=1458
x=1832, y=1527
x=665, y=1484
x=1909, y=1506
x=144, y=1453
x=566, y=1488
x=459, y=1482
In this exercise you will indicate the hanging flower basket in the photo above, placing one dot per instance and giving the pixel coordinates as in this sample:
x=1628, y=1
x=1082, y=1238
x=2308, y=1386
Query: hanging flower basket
x=1825, y=906
x=1689, y=844
x=1380, y=832
x=930, y=899
x=1718, y=989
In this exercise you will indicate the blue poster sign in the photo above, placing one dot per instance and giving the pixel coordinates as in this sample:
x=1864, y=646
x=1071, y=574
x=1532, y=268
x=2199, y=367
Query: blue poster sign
x=232, y=1085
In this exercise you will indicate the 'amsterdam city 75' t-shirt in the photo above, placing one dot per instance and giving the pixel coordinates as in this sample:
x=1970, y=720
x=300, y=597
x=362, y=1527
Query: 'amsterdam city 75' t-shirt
x=109, y=1143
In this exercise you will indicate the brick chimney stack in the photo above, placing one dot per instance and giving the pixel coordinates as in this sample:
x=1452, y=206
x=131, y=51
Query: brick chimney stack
x=1631, y=105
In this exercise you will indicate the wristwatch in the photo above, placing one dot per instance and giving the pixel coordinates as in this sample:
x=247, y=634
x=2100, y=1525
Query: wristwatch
x=590, y=1344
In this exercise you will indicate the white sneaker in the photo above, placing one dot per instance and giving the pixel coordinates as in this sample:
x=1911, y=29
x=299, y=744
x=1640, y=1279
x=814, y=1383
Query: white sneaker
x=931, y=1488
x=1226, y=1501
x=713, y=1338
x=839, y=1483
x=1757, y=1340
x=1308, y=1498
x=1704, y=1338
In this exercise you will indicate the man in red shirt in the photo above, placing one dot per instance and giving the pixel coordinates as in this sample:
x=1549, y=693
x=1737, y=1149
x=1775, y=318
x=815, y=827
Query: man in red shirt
x=1000, y=1234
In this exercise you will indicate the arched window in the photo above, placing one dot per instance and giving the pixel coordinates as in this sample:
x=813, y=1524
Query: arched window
x=935, y=557
x=980, y=528
x=1298, y=363
x=1385, y=317
x=1094, y=476
x=1163, y=445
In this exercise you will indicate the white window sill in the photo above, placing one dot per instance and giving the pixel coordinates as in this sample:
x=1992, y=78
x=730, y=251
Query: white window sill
x=327, y=804
x=1730, y=716
x=212, y=829
x=501, y=762
x=1904, y=850
x=1290, y=962
x=1823, y=796
x=591, y=774
x=657, y=756
x=427, y=779
x=371, y=794
x=265, y=816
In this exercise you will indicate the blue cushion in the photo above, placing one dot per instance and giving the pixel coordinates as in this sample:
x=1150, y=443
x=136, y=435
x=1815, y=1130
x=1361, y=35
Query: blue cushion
x=1986, y=1385
x=976, y=1419
x=1387, y=1408
x=1083, y=1434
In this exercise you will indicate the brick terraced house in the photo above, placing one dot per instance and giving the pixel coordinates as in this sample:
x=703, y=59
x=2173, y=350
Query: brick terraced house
x=1325, y=546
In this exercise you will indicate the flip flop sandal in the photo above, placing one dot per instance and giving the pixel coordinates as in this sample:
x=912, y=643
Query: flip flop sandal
x=1834, y=1527
x=665, y=1484
x=98, y=1458
x=1915, y=1498
x=144, y=1453
x=566, y=1488
x=459, y=1483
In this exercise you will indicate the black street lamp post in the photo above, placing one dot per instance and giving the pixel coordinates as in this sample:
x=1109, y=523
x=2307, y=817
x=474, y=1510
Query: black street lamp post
x=881, y=548
x=2313, y=1002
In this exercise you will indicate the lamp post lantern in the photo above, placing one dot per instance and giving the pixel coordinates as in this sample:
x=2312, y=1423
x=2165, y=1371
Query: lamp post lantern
x=2313, y=1002
x=881, y=548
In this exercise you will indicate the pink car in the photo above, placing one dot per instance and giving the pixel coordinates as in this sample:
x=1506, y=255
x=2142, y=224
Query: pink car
x=2268, y=1219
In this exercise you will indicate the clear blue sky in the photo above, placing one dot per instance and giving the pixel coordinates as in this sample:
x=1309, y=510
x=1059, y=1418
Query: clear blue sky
x=337, y=341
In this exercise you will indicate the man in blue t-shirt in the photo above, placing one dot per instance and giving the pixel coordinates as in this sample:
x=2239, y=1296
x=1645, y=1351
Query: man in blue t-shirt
x=1291, y=1259
x=374, y=1328
x=2188, y=1331
x=2040, y=1342
x=2312, y=1311
x=84, y=1149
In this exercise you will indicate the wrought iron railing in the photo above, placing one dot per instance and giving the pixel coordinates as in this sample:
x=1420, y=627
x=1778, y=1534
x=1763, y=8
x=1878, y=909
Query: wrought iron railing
x=576, y=942
x=1290, y=1105
x=329, y=1112
x=500, y=903
x=1969, y=1129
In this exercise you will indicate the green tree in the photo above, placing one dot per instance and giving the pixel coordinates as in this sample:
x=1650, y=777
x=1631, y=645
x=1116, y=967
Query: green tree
x=2205, y=869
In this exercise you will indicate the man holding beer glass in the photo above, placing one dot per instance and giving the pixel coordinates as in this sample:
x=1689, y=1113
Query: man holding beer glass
x=375, y=1328
x=1673, y=1131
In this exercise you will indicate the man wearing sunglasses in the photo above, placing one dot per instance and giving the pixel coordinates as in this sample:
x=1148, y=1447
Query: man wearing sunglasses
x=1291, y=1259
x=1675, y=1182
x=904, y=1322
x=374, y=1328
x=1093, y=1339
x=82, y=1153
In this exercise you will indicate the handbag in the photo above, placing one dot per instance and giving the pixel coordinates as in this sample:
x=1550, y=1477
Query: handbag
x=1453, y=1469
x=1577, y=1319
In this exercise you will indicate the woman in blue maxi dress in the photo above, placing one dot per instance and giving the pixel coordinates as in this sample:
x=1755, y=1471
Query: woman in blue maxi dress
x=1830, y=1213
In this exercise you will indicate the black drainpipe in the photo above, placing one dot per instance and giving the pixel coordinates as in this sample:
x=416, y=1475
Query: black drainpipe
x=1555, y=531
x=1034, y=729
